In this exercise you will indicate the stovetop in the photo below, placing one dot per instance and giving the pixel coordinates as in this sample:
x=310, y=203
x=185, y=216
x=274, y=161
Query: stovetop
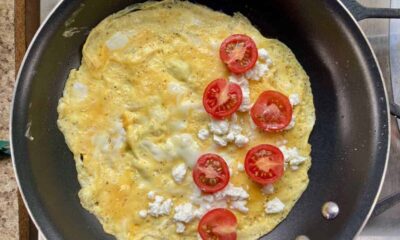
x=384, y=36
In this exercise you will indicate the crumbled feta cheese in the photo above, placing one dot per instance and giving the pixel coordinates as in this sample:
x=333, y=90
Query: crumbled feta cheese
x=175, y=88
x=180, y=227
x=220, y=199
x=220, y=140
x=151, y=195
x=263, y=54
x=268, y=189
x=292, y=156
x=241, y=140
x=143, y=213
x=203, y=134
x=117, y=41
x=291, y=124
x=178, y=173
x=244, y=85
x=240, y=167
x=274, y=206
x=240, y=206
x=219, y=127
x=294, y=99
x=159, y=207
x=257, y=72
x=79, y=91
x=235, y=193
x=184, y=213
x=230, y=137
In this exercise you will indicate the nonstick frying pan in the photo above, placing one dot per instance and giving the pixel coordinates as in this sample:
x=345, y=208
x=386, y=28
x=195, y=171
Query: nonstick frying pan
x=350, y=140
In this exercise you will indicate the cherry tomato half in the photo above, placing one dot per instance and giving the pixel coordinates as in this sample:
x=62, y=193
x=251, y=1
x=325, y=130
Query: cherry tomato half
x=219, y=223
x=239, y=53
x=272, y=111
x=221, y=98
x=264, y=164
x=211, y=173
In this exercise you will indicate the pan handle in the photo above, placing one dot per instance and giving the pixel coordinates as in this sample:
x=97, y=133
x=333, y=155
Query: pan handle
x=361, y=12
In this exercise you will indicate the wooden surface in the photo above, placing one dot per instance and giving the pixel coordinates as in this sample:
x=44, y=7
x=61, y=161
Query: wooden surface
x=27, y=20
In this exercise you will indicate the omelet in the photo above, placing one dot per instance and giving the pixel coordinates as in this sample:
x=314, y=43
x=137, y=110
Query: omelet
x=132, y=115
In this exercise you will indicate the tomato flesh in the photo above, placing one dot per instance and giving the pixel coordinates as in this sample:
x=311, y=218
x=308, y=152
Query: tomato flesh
x=239, y=53
x=221, y=98
x=272, y=111
x=218, y=224
x=264, y=164
x=211, y=173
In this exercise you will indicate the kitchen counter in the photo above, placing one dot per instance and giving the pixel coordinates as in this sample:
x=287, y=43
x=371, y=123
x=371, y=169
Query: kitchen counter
x=8, y=187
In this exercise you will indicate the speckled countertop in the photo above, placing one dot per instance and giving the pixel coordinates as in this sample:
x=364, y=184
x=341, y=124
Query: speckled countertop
x=8, y=186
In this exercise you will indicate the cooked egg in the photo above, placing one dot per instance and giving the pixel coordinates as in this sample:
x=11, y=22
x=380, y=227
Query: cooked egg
x=132, y=115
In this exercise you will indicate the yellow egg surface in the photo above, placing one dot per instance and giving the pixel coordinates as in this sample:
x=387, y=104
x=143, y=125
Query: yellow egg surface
x=132, y=112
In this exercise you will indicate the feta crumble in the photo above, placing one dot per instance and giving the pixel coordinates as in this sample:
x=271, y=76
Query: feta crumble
x=151, y=195
x=219, y=127
x=160, y=206
x=184, y=213
x=203, y=134
x=229, y=194
x=291, y=124
x=178, y=173
x=294, y=99
x=175, y=88
x=180, y=227
x=241, y=140
x=292, y=157
x=257, y=72
x=143, y=213
x=240, y=206
x=220, y=140
x=268, y=189
x=274, y=206
x=240, y=167
x=244, y=86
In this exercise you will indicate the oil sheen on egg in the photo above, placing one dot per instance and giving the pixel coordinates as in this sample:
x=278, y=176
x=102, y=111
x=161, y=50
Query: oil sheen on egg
x=132, y=111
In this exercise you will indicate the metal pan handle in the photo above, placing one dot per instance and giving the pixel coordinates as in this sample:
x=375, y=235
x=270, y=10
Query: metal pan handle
x=361, y=12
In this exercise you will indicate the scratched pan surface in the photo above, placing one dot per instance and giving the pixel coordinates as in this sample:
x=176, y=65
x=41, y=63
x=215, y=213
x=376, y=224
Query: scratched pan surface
x=350, y=139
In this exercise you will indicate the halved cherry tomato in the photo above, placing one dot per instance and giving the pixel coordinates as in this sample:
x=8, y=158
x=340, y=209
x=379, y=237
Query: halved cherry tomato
x=218, y=224
x=272, y=111
x=221, y=98
x=211, y=173
x=264, y=164
x=239, y=53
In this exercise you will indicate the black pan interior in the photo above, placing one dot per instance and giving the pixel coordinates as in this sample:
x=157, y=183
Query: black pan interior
x=350, y=138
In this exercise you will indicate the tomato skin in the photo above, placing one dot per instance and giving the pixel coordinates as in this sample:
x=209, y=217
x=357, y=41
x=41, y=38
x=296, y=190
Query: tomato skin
x=272, y=111
x=239, y=52
x=264, y=156
x=211, y=173
x=219, y=223
x=222, y=98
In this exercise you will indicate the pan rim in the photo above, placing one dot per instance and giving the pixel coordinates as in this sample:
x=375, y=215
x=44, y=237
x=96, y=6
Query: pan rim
x=389, y=139
x=39, y=30
x=61, y=2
